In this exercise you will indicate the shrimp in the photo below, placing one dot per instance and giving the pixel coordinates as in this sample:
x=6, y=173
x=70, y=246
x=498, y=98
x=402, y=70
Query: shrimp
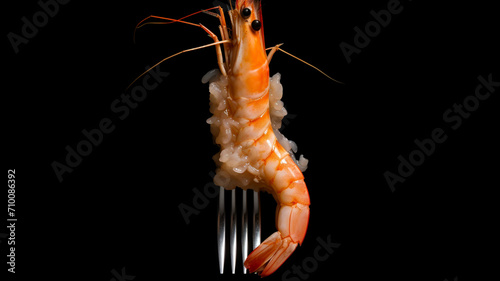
x=244, y=102
x=247, y=113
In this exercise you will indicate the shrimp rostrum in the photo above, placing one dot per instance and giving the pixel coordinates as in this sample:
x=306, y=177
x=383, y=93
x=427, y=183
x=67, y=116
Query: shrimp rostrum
x=247, y=112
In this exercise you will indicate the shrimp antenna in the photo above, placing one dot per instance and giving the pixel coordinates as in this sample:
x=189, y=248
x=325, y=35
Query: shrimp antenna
x=277, y=47
x=168, y=20
x=183, y=51
x=217, y=42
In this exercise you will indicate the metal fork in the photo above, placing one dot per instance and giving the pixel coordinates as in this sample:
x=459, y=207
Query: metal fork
x=221, y=228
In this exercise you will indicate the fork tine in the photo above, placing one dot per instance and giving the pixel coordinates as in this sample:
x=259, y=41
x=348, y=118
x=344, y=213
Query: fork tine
x=244, y=230
x=256, y=219
x=232, y=231
x=221, y=230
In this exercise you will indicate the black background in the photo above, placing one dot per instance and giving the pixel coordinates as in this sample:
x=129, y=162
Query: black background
x=120, y=207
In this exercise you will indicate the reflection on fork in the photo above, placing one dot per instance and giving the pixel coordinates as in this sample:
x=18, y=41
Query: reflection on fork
x=221, y=228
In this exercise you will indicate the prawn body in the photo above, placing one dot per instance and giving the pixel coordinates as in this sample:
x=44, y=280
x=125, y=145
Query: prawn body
x=247, y=112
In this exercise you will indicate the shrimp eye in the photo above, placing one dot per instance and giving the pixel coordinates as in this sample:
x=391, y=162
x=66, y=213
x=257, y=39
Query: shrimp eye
x=246, y=12
x=256, y=25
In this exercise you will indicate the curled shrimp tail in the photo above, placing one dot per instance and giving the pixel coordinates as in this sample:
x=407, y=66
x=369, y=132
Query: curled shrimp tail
x=277, y=248
x=270, y=255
